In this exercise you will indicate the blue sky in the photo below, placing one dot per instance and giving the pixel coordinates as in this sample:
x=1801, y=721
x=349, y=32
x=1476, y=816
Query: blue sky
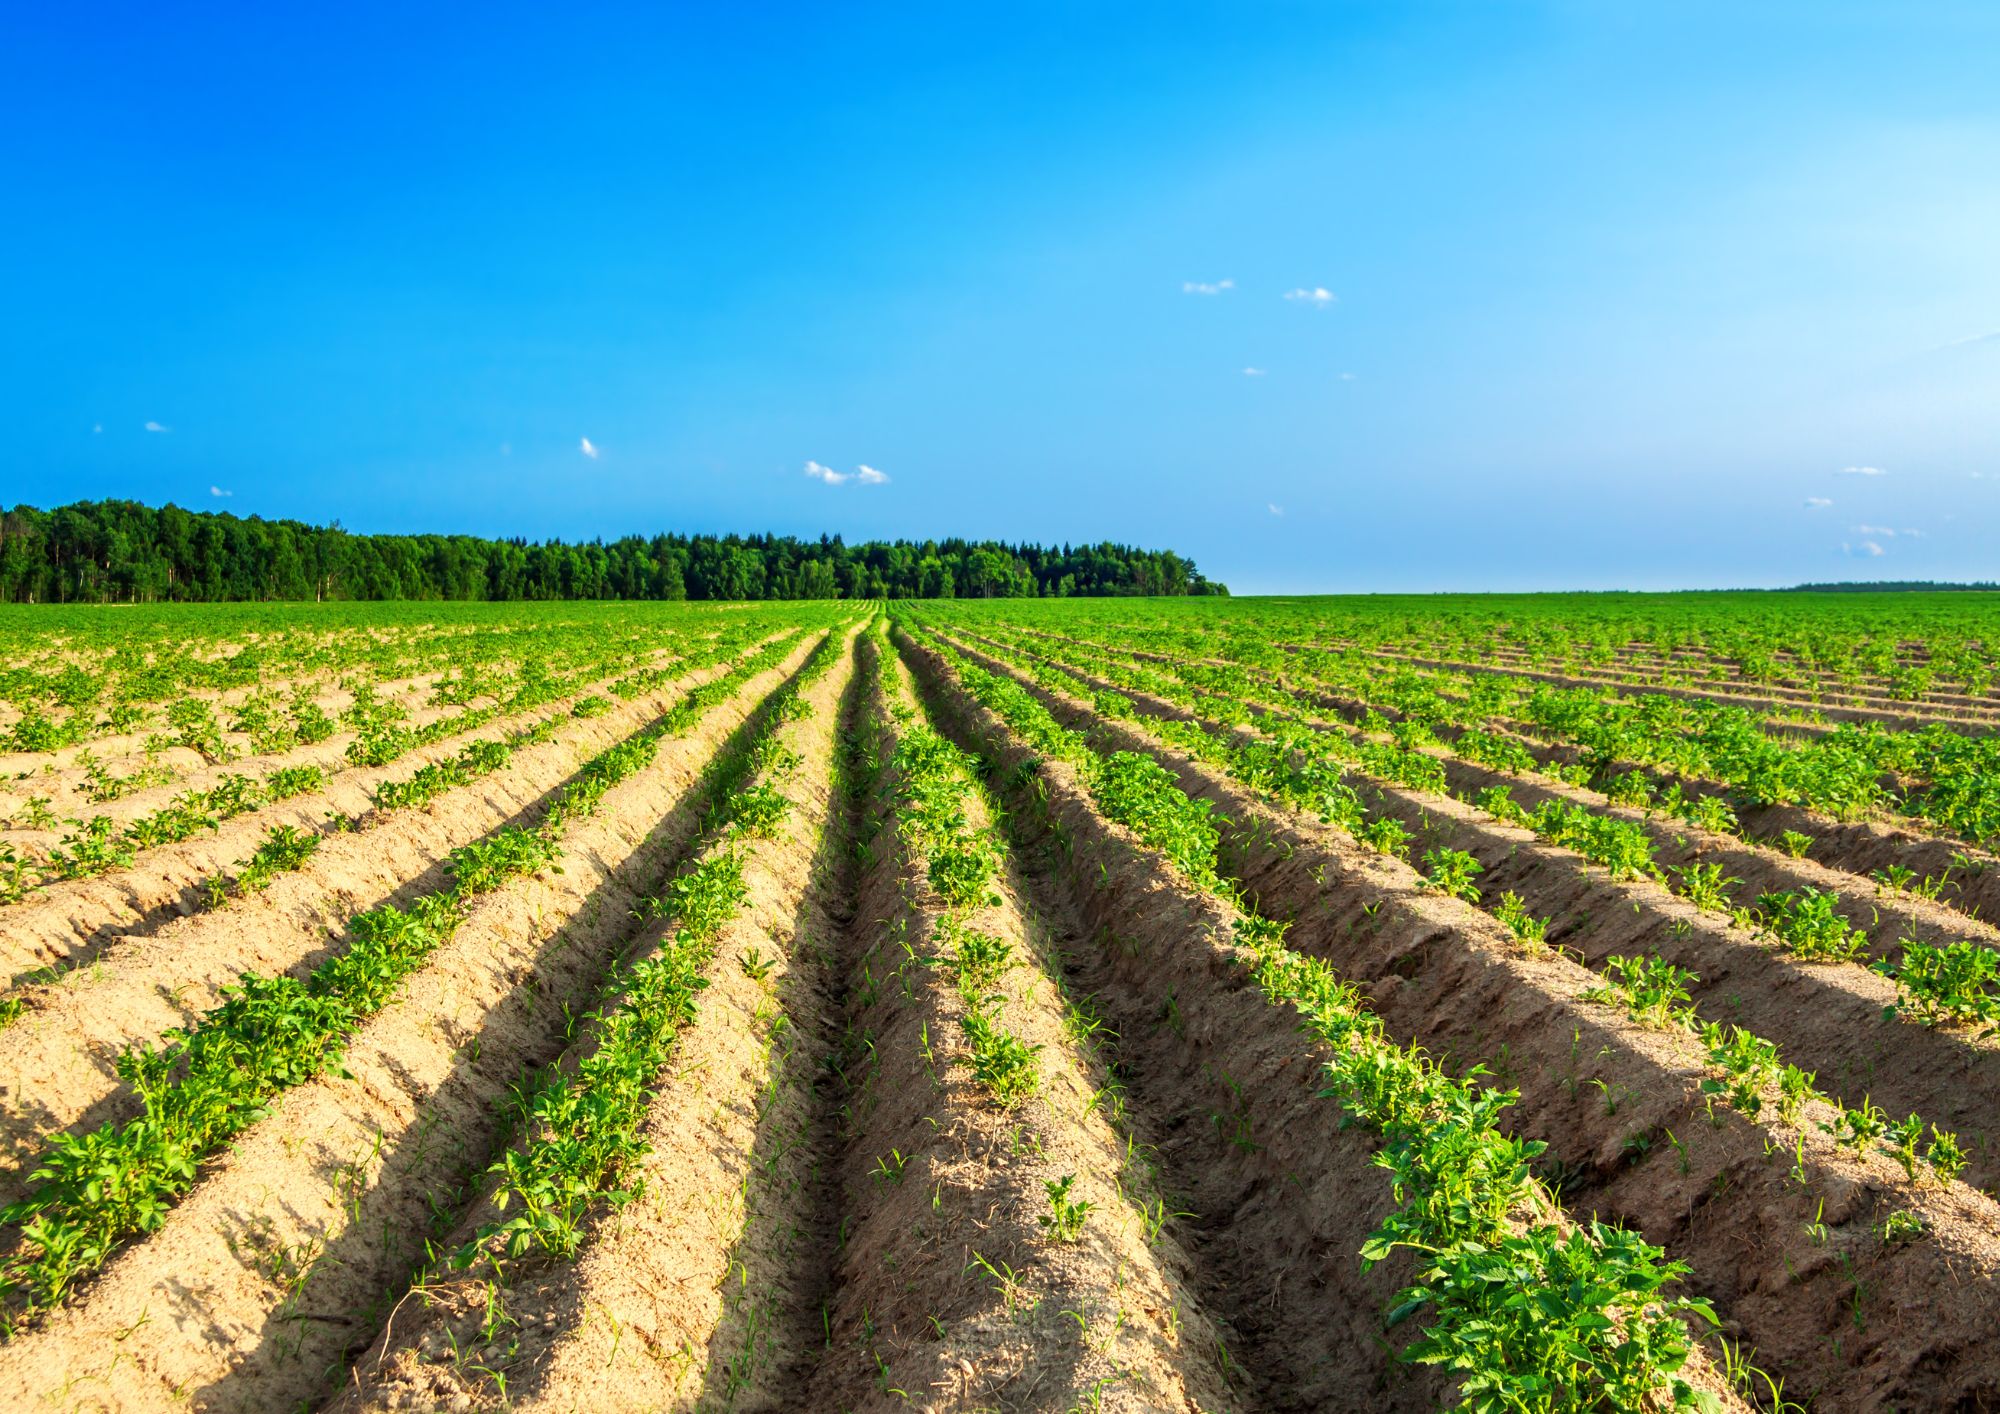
x=1613, y=295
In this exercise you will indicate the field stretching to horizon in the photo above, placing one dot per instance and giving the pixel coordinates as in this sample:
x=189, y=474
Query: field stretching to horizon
x=1518, y=1003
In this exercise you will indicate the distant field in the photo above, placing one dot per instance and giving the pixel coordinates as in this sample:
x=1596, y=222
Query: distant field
x=1581, y=1001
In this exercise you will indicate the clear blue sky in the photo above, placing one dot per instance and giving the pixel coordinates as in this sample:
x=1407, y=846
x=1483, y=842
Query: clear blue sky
x=1615, y=295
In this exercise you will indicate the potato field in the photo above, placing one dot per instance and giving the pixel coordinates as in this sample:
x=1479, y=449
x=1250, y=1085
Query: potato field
x=1518, y=1004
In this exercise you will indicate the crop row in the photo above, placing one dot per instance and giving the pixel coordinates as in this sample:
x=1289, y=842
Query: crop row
x=1519, y=1303
x=94, y=1189
x=1936, y=984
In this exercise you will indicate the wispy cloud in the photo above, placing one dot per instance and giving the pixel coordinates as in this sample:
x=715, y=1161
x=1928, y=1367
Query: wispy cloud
x=157, y=427
x=1888, y=532
x=1862, y=471
x=1817, y=503
x=588, y=448
x=1866, y=547
x=1318, y=296
x=1196, y=287
x=1253, y=373
x=825, y=473
x=1347, y=377
x=1274, y=508
x=869, y=476
x=218, y=491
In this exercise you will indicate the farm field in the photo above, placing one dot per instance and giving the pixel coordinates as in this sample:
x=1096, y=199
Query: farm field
x=1507, y=1002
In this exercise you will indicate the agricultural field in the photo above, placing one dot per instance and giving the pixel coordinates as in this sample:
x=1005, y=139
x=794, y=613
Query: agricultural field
x=1559, y=1003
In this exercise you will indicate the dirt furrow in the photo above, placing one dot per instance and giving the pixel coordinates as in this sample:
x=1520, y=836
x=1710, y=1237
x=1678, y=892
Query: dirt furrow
x=993, y=1248
x=1837, y=1019
x=695, y=1290
x=1968, y=878
x=290, y=1251
x=74, y=920
x=1280, y=1196
x=1783, y=1227
x=58, y=1057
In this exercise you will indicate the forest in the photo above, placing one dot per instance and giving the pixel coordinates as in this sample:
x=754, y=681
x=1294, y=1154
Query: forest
x=125, y=552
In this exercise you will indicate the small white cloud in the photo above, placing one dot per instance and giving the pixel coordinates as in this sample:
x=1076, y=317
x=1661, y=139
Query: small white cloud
x=157, y=427
x=218, y=491
x=588, y=448
x=97, y=427
x=1253, y=373
x=1862, y=471
x=1319, y=297
x=869, y=476
x=1866, y=547
x=825, y=473
x=1347, y=377
x=1196, y=287
x=1274, y=508
x=1817, y=503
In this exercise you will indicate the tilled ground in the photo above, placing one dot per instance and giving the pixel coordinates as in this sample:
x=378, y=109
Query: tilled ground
x=832, y=1205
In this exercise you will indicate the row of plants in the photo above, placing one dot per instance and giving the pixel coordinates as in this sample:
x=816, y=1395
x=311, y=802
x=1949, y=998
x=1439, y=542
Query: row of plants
x=1292, y=764
x=583, y=1121
x=92, y=1190
x=101, y=844
x=1937, y=983
x=1946, y=778
x=1941, y=776
x=933, y=783
x=79, y=683
x=1527, y=1310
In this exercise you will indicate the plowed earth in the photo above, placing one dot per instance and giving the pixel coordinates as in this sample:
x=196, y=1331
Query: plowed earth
x=821, y=1198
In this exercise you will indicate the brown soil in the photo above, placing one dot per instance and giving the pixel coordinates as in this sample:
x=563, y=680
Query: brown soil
x=1277, y=1218
x=648, y=1314
x=944, y=1284
x=1829, y=1018
x=1845, y=853
x=67, y=922
x=1851, y=1320
x=58, y=1058
x=295, y=1244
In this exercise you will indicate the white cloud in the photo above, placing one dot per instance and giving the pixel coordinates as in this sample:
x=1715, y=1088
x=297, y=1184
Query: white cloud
x=1866, y=547
x=1347, y=377
x=1862, y=471
x=156, y=427
x=1253, y=373
x=1817, y=503
x=588, y=448
x=97, y=427
x=1889, y=532
x=1318, y=296
x=1196, y=287
x=1274, y=508
x=825, y=473
x=218, y=491
x=869, y=476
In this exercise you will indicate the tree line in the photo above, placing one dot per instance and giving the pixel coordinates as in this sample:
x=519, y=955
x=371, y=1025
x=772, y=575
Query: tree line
x=95, y=552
